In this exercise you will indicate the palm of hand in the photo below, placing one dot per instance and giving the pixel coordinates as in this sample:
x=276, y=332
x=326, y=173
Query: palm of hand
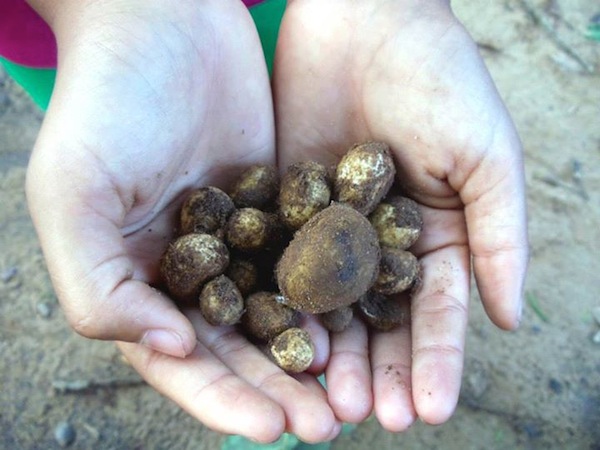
x=145, y=122
x=412, y=79
x=197, y=110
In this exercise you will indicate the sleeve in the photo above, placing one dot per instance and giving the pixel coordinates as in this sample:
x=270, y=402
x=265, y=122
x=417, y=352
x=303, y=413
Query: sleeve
x=250, y=3
x=28, y=48
x=25, y=39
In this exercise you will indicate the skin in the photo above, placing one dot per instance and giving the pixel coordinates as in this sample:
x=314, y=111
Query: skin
x=194, y=103
x=407, y=73
x=152, y=100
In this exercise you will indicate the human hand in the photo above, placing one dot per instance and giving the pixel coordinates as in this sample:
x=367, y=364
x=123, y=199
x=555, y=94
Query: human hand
x=152, y=100
x=406, y=73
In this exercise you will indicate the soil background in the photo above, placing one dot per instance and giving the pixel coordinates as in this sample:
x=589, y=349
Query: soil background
x=538, y=387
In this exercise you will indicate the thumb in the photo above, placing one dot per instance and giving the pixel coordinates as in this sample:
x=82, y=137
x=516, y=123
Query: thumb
x=100, y=284
x=496, y=215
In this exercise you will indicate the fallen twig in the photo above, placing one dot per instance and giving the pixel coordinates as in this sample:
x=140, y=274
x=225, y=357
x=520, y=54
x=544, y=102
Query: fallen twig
x=576, y=185
x=68, y=386
x=545, y=24
x=534, y=305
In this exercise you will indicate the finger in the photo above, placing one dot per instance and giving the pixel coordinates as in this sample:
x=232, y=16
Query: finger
x=311, y=382
x=348, y=374
x=391, y=358
x=307, y=414
x=439, y=321
x=94, y=278
x=495, y=210
x=209, y=391
x=320, y=338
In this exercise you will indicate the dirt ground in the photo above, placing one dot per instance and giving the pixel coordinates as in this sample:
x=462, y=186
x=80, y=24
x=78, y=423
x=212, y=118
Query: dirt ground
x=535, y=388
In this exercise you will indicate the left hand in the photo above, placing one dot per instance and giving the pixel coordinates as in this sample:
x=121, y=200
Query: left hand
x=406, y=72
x=151, y=101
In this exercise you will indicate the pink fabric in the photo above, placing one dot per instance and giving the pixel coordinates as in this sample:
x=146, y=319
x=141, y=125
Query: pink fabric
x=26, y=39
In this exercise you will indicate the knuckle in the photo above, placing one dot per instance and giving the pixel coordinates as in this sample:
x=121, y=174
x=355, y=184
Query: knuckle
x=84, y=327
x=440, y=349
x=89, y=305
x=86, y=322
x=228, y=345
x=442, y=305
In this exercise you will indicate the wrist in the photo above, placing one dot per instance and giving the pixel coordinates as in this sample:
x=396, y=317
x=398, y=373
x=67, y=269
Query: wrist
x=68, y=18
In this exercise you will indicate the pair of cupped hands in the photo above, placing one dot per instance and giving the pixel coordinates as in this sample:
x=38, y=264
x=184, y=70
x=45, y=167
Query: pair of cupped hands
x=154, y=98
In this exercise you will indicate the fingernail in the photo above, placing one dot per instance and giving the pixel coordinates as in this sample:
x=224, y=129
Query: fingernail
x=164, y=341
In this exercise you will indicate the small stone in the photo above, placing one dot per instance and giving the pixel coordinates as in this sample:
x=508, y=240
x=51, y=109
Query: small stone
x=64, y=433
x=8, y=274
x=535, y=329
x=44, y=310
x=477, y=380
x=531, y=430
x=596, y=338
x=4, y=101
x=596, y=314
x=555, y=386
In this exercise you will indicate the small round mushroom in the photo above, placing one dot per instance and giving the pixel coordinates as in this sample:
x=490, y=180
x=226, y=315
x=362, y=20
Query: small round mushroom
x=397, y=271
x=364, y=176
x=243, y=273
x=206, y=210
x=338, y=319
x=305, y=190
x=256, y=187
x=383, y=313
x=190, y=261
x=278, y=235
x=398, y=222
x=221, y=303
x=247, y=230
x=293, y=350
x=265, y=316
